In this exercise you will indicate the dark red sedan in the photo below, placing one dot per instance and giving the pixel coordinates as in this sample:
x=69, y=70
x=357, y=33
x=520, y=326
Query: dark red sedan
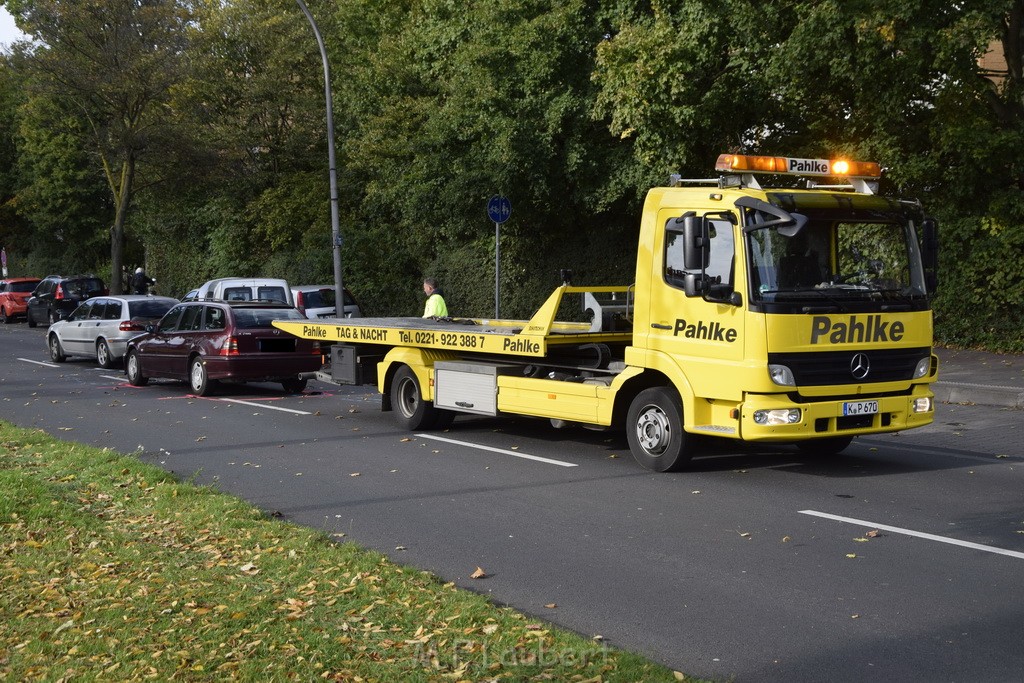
x=204, y=342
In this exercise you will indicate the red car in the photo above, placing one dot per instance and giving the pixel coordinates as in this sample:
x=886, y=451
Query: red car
x=14, y=292
x=204, y=342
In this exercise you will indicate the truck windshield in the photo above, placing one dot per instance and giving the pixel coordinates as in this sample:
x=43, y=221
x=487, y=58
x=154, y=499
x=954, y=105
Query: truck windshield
x=847, y=265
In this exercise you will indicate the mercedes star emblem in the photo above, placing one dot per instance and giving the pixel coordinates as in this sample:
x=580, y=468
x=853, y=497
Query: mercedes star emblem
x=860, y=365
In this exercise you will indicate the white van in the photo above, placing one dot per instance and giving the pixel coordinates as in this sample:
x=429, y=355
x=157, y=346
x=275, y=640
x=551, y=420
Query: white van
x=246, y=289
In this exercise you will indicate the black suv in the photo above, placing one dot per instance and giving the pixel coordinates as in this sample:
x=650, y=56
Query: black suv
x=56, y=296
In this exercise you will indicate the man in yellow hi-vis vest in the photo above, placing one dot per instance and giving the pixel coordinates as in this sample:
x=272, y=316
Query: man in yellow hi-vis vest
x=436, y=307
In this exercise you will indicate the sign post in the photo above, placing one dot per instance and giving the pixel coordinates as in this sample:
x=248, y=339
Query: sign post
x=3, y=260
x=499, y=208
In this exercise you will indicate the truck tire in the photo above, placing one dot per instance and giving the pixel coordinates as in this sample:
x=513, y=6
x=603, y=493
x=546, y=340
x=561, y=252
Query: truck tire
x=411, y=411
x=832, y=445
x=654, y=429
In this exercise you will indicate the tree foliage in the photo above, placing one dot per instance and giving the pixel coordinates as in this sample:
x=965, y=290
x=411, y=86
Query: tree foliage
x=571, y=109
x=113, y=64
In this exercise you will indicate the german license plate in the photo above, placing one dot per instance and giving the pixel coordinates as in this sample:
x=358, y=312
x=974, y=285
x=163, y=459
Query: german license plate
x=860, y=407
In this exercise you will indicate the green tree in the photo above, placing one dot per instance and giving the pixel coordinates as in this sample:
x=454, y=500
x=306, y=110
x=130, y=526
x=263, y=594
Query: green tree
x=896, y=82
x=493, y=100
x=114, y=63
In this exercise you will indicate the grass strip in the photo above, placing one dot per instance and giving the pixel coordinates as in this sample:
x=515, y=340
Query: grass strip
x=111, y=569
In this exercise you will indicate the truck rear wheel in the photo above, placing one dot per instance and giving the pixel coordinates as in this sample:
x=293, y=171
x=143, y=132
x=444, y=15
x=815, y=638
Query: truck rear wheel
x=411, y=411
x=654, y=429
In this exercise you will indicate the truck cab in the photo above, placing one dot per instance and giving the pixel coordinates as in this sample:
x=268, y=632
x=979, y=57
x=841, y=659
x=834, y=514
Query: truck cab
x=797, y=313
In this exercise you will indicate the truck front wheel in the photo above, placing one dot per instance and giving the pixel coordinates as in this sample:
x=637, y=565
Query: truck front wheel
x=654, y=429
x=407, y=401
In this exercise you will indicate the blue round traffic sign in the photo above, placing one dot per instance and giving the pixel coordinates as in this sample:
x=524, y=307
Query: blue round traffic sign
x=499, y=208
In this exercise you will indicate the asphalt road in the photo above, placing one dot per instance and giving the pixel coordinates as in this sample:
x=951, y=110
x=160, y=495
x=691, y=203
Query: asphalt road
x=754, y=565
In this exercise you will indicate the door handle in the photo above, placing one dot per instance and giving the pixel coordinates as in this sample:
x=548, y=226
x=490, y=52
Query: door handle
x=659, y=326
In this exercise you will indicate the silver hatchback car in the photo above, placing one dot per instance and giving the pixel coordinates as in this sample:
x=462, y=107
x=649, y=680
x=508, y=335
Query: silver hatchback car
x=318, y=301
x=101, y=327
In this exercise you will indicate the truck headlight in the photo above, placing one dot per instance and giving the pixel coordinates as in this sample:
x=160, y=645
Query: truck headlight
x=782, y=375
x=922, y=405
x=779, y=416
x=923, y=367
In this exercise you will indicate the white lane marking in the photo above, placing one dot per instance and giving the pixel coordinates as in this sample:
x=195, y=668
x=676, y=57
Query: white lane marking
x=263, y=405
x=916, y=534
x=49, y=365
x=517, y=454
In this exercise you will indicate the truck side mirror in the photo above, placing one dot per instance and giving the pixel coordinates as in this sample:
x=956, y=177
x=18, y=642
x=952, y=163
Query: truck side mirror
x=696, y=284
x=696, y=243
x=930, y=253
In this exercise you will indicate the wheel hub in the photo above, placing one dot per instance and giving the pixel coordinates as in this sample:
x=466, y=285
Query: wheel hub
x=407, y=398
x=653, y=431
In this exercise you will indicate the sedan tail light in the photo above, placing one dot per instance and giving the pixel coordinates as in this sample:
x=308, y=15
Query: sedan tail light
x=300, y=303
x=131, y=326
x=59, y=294
x=230, y=347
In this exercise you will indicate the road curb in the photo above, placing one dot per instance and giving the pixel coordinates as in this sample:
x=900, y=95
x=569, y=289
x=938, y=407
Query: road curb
x=981, y=394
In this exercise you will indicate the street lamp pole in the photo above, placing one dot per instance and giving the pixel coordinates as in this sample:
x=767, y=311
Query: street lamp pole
x=339, y=289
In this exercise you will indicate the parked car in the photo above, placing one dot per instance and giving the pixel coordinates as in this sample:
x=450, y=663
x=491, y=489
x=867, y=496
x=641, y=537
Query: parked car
x=203, y=342
x=318, y=301
x=56, y=296
x=14, y=292
x=100, y=328
x=244, y=289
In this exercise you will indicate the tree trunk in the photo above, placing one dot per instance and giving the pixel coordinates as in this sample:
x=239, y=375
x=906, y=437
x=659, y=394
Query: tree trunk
x=123, y=194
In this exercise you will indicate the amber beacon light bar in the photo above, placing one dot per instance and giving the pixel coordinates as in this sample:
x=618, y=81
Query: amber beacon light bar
x=745, y=163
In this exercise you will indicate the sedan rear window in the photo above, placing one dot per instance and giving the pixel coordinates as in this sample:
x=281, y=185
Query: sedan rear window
x=262, y=317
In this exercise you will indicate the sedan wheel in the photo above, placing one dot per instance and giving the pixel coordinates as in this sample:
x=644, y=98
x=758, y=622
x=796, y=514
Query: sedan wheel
x=198, y=380
x=56, y=352
x=103, y=354
x=134, y=370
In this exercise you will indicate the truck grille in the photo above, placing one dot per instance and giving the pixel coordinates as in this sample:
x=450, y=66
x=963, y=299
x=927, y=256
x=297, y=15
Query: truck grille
x=837, y=367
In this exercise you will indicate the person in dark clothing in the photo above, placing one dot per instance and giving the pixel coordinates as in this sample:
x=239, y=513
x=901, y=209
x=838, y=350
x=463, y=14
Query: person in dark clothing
x=141, y=282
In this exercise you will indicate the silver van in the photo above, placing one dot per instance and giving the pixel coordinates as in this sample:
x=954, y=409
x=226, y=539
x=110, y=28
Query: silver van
x=245, y=289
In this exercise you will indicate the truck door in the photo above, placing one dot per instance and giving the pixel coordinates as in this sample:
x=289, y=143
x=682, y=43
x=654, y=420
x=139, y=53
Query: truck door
x=702, y=334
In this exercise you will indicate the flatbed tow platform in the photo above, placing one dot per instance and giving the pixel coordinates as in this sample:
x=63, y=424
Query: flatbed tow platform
x=474, y=335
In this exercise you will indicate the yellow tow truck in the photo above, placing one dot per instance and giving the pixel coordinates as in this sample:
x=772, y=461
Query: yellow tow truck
x=793, y=311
